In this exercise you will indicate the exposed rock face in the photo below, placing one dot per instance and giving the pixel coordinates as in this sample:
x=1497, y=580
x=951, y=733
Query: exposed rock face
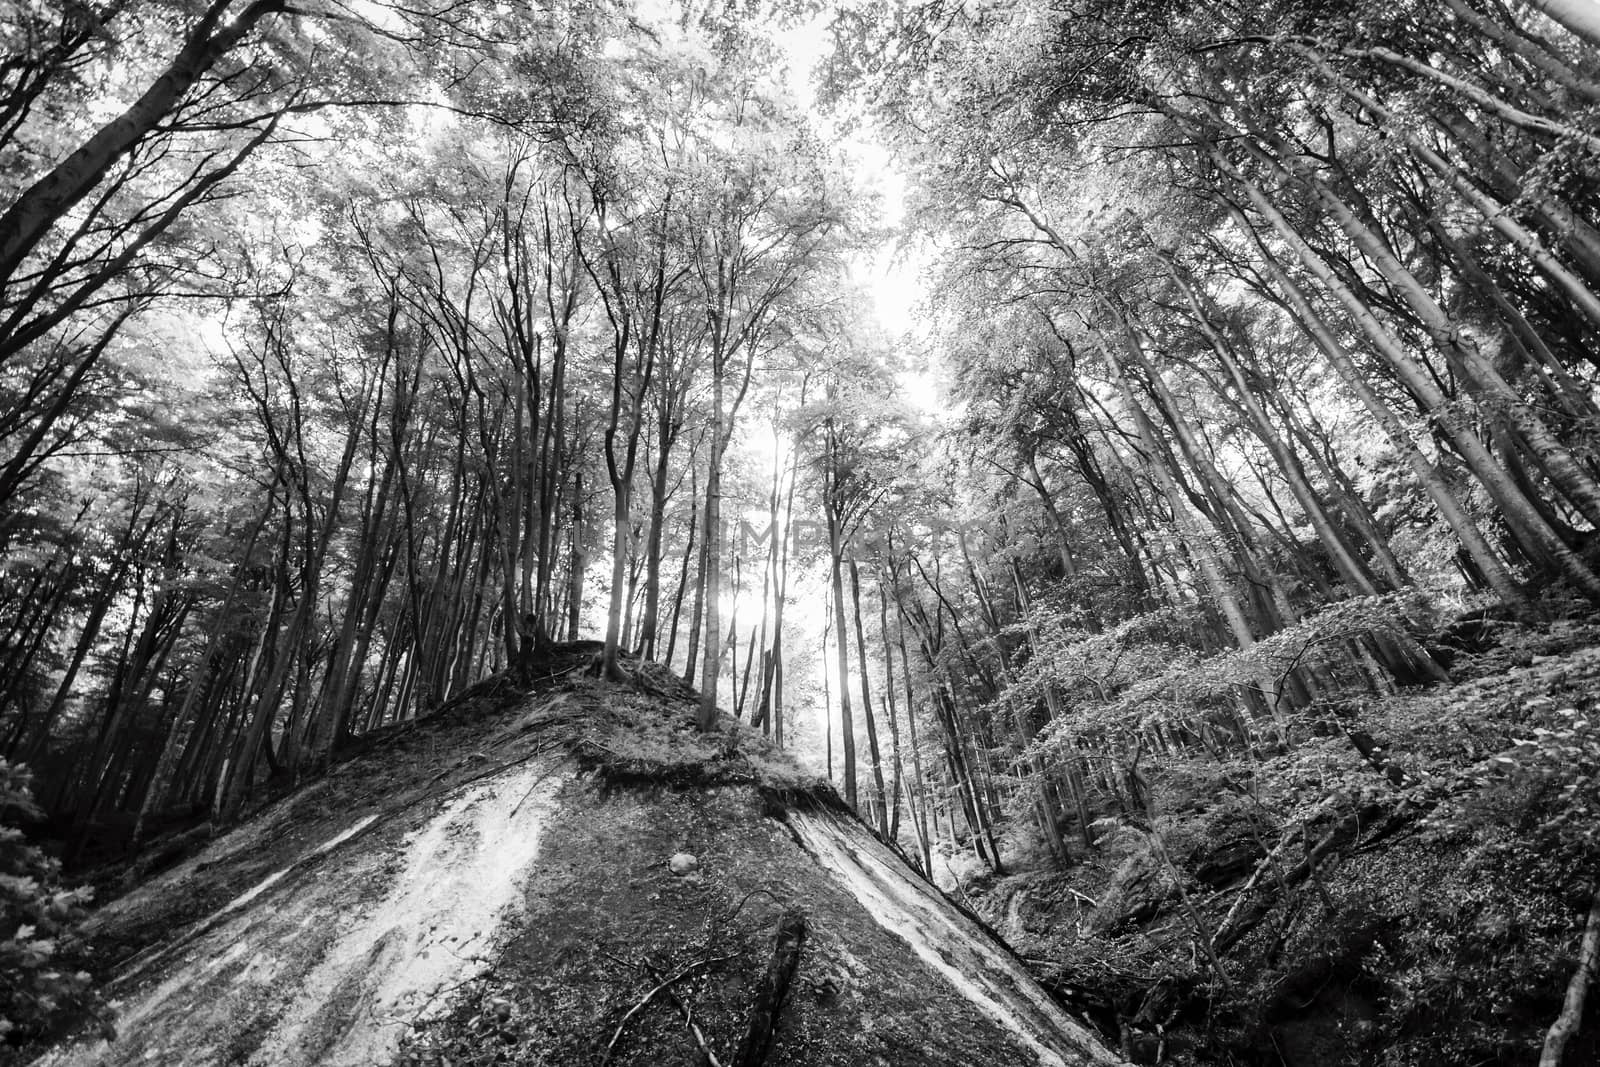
x=570, y=877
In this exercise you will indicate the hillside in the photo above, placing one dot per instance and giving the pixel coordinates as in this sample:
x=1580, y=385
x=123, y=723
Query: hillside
x=1410, y=880
x=564, y=874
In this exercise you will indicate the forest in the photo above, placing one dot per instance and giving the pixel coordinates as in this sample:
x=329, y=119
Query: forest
x=1200, y=584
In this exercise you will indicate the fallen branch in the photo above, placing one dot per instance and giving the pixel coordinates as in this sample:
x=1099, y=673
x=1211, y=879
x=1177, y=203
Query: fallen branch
x=688, y=1019
x=1253, y=903
x=773, y=988
x=1201, y=934
x=694, y=1028
x=1566, y=1024
x=660, y=987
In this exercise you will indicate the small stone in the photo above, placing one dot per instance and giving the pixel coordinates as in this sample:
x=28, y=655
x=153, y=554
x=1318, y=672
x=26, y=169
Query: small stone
x=683, y=863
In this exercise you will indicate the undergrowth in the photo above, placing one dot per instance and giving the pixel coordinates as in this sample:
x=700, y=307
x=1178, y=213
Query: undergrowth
x=40, y=990
x=1443, y=870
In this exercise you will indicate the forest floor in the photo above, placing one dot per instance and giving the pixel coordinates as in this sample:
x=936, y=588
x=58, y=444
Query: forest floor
x=1419, y=904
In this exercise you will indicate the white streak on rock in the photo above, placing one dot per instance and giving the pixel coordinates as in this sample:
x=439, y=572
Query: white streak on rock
x=266, y=883
x=322, y=973
x=950, y=943
x=430, y=933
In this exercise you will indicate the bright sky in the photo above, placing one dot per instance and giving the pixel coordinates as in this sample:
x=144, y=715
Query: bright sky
x=892, y=280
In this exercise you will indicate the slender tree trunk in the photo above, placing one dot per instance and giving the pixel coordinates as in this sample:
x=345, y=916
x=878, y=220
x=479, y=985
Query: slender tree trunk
x=1450, y=509
x=689, y=554
x=841, y=633
x=878, y=792
x=897, y=762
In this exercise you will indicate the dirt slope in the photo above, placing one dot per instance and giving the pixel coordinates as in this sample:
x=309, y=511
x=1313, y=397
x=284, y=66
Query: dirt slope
x=497, y=885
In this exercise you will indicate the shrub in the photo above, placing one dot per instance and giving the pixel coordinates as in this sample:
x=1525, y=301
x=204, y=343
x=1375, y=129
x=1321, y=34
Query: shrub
x=37, y=993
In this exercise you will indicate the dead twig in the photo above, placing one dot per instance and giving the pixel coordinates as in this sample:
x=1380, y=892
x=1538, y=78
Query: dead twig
x=759, y=891
x=1555, y=1042
x=664, y=985
x=688, y=1019
x=694, y=1028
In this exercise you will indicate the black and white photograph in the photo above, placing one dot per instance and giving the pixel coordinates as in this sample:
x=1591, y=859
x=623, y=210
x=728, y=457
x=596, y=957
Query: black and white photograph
x=799, y=533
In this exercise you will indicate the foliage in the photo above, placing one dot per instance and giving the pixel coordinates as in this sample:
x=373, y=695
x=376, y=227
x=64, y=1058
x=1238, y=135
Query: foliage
x=1146, y=668
x=37, y=916
x=1532, y=736
x=1443, y=932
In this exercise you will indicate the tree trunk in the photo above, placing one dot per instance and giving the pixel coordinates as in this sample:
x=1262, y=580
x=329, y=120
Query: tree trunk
x=878, y=792
x=1450, y=509
x=1581, y=17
